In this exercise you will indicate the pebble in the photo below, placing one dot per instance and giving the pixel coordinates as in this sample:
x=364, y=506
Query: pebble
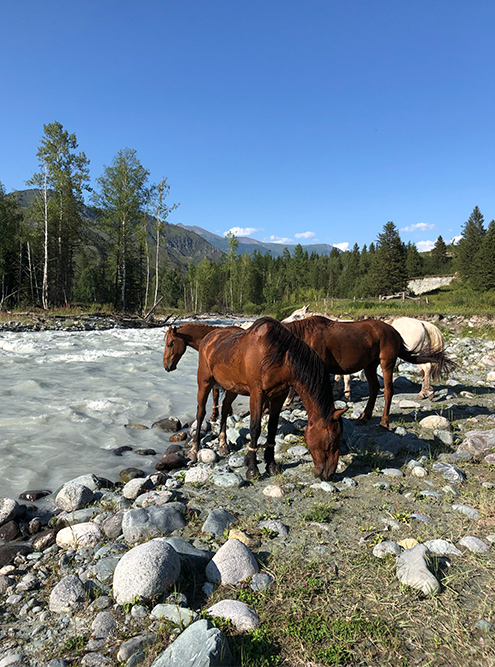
x=465, y=509
x=474, y=544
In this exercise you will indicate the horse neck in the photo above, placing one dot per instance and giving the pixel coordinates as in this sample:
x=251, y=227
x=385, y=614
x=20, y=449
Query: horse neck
x=194, y=333
x=310, y=400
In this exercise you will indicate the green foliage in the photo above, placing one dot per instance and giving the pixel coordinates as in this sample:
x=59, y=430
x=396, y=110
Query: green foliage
x=320, y=512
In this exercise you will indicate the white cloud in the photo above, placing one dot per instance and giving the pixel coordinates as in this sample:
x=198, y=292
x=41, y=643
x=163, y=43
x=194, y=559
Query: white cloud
x=455, y=240
x=418, y=227
x=305, y=235
x=281, y=239
x=424, y=246
x=242, y=231
x=342, y=246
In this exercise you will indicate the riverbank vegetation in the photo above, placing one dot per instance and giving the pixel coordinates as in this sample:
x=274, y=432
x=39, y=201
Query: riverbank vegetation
x=118, y=251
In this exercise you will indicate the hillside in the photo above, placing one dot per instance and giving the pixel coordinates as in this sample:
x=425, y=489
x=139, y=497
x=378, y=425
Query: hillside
x=250, y=245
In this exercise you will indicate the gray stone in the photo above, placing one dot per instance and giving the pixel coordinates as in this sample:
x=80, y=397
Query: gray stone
x=67, y=596
x=484, y=625
x=442, y=548
x=261, y=581
x=474, y=544
x=136, y=487
x=449, y=471
x=143, y=523
x=200, y=645
x=89, y=480
x=134, y=645
x=243, y=617
x=145, y=571
x=172, y=612
x=232, y=564
x=412, y=570
x=73, y=497
x=11, y=659
x=386, y=548
x=275, y=526
x=102, y=628
x=465, y=509
x=227, y=480
x=8, y=510
x=392, y=472
x=478, y=443
x=217, y=522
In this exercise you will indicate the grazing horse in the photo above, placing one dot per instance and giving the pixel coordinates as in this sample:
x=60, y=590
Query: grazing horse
x=348, y=347
x=189, y=334
x=263, y=362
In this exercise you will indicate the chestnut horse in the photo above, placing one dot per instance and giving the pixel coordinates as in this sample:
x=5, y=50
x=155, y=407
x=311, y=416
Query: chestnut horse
x=263, y=362
x=178, y=339
x=347, y=347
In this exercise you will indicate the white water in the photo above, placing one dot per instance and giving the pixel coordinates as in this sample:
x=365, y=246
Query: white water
x=66, y=397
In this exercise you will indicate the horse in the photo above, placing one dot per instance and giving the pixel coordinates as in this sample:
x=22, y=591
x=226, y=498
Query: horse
x=348, y=347
x=178, y=339
x=263, y=362
x=424, y=337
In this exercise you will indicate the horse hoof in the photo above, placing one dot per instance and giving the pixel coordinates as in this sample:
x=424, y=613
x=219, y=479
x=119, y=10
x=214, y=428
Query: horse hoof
x=223, y=451
x=272, y=469
x=252, y=473
x=384, y=425
x=192, y=456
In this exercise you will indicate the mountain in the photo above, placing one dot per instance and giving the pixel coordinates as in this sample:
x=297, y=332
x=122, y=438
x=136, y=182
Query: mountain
x=181, y=247
x=250, y=245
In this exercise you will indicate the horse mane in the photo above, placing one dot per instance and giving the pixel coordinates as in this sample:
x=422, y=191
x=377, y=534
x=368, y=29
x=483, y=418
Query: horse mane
x=310, y=323
x=307, y=367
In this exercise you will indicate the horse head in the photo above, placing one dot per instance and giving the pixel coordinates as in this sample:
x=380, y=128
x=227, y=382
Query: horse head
x=175, y=346
x=322, y=437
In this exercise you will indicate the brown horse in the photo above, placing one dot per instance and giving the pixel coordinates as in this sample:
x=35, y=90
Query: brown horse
x=178, y=339
x=348, y=347
x=263, y=362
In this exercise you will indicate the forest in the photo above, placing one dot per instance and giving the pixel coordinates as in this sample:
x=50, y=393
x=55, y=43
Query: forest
x=117, y=251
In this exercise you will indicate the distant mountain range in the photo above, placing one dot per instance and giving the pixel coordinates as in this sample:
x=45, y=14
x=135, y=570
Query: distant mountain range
x=249, y=245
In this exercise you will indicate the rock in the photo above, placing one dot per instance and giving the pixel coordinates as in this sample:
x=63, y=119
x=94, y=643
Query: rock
x=197, y=474
x=207, y=455
x=419, y=471
x=178, y=615
x=232, y=564
x=433, y=422
x=412, y=570
x=79, y=535
x=178, y=437
x=91, y=481
x=146, y=452
x=138, y=427
x=9, y=531
x=102, y=628
x=172, y=461
x=449, y=471
x=274, y=526
x=143, y=523
x=112, y=527
x=478, y=443
x=386, y=548
x=130, y=473
x=153, y=498
x=73, y=497
x=442, y=548
x=8, y=552
x=200, y=645
x=227, y=480
x=8, y=510
x=243, y=618
x=236, y=534
x=273, y=491
x=482, y=624
x=189, y=554
x=132, y=646
x=137, y=486
x=171, y=424
x=474, y=544
x=146, y=571
x=465, y=509
x=217, y=522
x=67, y=596
x=32, y=496
x=5, y=583
x=392, y=472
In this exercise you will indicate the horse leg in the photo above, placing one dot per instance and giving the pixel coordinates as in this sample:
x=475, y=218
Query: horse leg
x=204, y=389
x=337, y=379
x=347, y=387
x=290, y=397
x=388, y=391
x=426, y=388
x=256, y=404
x=276, y=405
x=216, y=403
x=373, y=389
x=226, y=410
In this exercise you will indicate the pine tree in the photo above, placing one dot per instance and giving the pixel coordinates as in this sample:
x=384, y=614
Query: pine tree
x=469, y=245
x=439, y=255
x=10, y=223
x=414, y=263
x=484, y=278
x=388, y=272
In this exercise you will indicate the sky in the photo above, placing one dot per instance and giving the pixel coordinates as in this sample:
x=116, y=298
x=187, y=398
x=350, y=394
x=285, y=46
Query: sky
x=294, y=121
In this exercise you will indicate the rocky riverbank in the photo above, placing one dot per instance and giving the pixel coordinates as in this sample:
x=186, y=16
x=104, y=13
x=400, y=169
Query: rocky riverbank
x=391, y=563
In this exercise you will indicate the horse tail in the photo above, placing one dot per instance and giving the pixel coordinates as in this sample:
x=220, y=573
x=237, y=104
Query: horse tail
x=440, y=363
x=443, y=367
x=436, y=345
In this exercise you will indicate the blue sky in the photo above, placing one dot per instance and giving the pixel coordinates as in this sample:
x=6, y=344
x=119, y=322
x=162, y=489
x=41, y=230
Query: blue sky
x=296, y=120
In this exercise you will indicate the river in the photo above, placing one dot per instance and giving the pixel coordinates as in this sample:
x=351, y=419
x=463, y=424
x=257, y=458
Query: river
x=65, y=398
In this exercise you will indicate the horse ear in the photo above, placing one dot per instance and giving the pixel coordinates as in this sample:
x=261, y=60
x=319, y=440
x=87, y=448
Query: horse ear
x=338, y=413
